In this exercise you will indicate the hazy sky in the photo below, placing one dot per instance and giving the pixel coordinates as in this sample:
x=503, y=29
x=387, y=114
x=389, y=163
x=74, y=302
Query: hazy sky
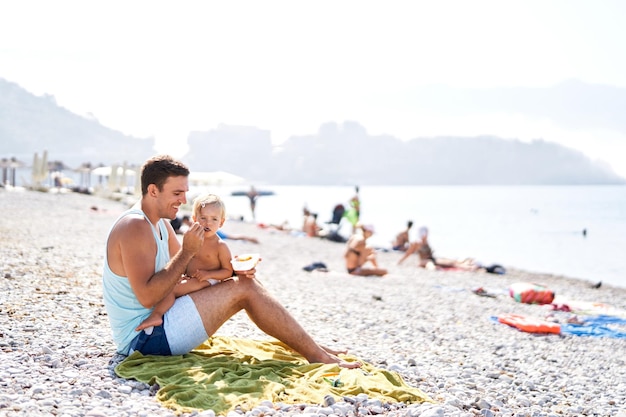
x=162, y=69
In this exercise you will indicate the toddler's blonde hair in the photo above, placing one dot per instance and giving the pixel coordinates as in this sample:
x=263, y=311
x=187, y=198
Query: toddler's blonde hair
x=204, y=200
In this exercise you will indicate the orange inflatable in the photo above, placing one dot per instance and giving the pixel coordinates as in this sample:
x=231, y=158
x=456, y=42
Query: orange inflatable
x=530, y=324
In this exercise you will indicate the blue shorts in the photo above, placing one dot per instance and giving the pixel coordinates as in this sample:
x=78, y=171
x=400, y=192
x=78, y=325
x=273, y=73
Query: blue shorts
x=151, y=341
x=181, y=331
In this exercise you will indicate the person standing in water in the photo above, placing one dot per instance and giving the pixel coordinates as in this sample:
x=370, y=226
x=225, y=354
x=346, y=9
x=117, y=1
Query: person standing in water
x=253, y=195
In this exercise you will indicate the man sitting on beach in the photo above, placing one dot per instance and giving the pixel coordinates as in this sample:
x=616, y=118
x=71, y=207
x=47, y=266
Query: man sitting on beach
x=144, y=261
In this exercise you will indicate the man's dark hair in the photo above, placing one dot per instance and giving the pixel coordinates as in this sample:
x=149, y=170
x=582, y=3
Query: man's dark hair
x=158, y=169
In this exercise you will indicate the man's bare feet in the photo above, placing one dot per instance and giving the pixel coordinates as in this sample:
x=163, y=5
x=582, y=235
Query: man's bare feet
x=152, y=320
x=344, y=364
x=332, y=358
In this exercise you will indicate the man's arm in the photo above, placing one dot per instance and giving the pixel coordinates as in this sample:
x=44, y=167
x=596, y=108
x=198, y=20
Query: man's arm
x=137, y=253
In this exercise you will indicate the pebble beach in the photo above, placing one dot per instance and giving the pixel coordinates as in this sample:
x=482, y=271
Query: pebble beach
x=429, y=326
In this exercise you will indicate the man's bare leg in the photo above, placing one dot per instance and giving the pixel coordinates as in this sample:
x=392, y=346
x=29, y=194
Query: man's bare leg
x=218, y=303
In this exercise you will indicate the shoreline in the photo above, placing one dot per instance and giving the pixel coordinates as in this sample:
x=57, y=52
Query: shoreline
x=426, y=325
x=514, y=226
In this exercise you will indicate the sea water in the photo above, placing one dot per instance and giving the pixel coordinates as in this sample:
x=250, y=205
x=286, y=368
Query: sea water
x=576, y=231
x=535, y=228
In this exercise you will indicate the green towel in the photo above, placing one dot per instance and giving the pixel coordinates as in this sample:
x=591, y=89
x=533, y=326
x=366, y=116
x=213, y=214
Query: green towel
x=224, y=373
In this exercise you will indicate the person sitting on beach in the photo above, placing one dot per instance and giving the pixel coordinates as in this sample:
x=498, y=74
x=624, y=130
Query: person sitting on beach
x=145, y=261
x=181, y=224
x=231, y=236
x=209, y=266
x=358, y=253
x=311, y=228
x=401, y=243
x=305, y=216
x=426, y=258
x=283, y=227
x=253, y=196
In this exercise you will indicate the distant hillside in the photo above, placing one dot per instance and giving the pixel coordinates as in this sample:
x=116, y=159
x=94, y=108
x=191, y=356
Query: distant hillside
x=346, y=155
x=336, y=155
x=30, y=124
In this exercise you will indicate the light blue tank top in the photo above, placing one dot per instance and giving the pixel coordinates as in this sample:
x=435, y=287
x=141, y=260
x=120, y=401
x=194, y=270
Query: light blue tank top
x=124, y=310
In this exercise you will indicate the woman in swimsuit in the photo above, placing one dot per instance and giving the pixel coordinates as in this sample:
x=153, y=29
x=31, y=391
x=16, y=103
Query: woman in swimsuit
x=358, y=254
x=427, y=259
x=402, y=242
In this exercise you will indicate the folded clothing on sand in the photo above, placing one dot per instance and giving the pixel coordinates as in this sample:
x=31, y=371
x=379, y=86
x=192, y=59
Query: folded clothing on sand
x=224, y=373
x=529, y=324
x=320, y=266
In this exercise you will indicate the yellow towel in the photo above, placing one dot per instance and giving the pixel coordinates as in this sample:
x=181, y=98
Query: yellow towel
x=224, y=373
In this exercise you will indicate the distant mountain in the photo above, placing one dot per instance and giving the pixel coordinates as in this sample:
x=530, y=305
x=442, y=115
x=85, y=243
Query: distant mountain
x=30, y=124
x=338, y=154
x=346, y=155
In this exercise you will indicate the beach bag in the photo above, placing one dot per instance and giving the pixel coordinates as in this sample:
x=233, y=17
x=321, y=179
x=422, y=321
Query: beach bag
x=495, y=269
x=531, y=293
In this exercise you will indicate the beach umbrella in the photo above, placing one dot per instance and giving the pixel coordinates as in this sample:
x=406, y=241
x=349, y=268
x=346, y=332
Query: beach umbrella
x=40, y=168
x=114, y=174
x=44, y=166
x=113, y=177
x=35, y=170
x=123, y=176
x=214, y=178
x=9, y=167
x=4, y=164
x=85, y=173
x=137, y=181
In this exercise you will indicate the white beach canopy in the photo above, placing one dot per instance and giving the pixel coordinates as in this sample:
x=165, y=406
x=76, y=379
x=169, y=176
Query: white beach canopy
x=214, y=178
x=117, y=171
x=118, y=177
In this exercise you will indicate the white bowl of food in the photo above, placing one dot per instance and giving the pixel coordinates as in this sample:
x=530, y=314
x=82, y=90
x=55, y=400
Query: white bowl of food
x=245, y=261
